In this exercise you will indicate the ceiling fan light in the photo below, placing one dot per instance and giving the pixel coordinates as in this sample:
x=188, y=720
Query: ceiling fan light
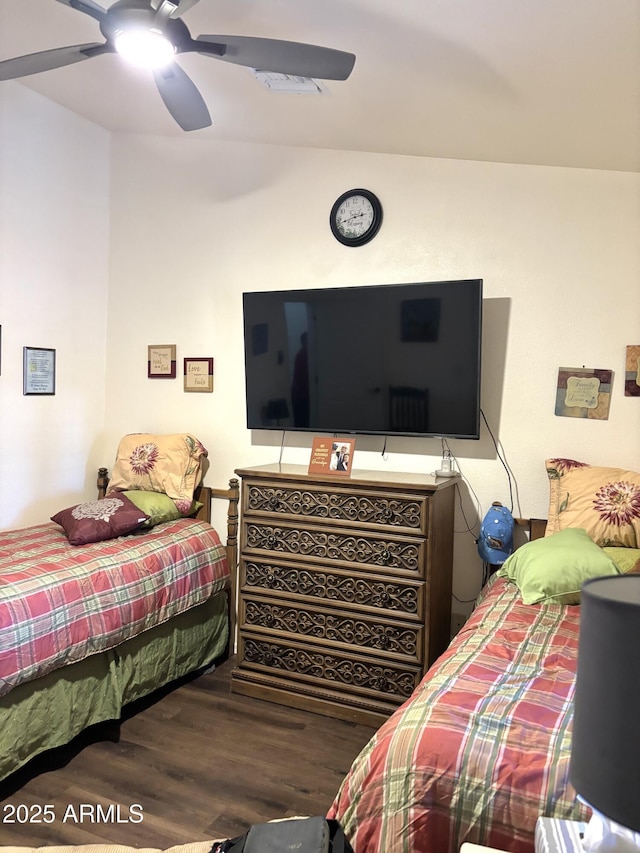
x=145, y=48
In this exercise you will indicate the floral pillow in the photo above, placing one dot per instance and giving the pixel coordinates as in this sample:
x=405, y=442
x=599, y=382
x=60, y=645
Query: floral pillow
x=603, y=501
x=171, y=464
x=95, y=521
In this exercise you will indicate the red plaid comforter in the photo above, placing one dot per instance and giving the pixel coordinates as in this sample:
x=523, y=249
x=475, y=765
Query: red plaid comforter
x=481, y=749
x=60, y=603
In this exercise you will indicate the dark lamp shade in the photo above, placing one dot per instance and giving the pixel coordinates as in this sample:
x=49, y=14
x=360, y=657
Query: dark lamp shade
x=605, y=751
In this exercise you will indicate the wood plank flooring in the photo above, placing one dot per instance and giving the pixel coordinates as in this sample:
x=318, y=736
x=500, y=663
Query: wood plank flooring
x=197, y=763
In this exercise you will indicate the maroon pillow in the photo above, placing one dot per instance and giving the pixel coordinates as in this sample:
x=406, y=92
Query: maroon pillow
x=96, y=521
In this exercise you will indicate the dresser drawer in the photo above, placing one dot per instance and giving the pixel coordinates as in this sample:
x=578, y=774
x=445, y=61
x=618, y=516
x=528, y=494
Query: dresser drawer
x=363, y=632
x=391, y=553
x=380, y=594
x=400, y=512
x=318, y=667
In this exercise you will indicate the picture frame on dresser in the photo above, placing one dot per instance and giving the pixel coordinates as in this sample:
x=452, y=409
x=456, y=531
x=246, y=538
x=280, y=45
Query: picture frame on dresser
x=344, y=588
x=332, y=456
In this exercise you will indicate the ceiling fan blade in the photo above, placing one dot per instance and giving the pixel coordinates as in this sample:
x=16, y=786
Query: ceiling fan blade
x=286, y=57
x=181, y=97
x=46, y=60
x=86, y=6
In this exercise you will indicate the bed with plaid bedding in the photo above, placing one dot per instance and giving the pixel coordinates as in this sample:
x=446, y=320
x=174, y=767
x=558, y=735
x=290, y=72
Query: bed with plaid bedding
x=482, y=747
x=60, y=603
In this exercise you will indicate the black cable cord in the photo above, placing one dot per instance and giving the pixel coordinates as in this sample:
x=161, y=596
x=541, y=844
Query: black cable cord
x=282, y=446
x=469, y=528
x=509, y=473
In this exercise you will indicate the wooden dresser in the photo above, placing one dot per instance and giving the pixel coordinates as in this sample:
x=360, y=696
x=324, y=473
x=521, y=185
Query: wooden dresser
x=344, y=590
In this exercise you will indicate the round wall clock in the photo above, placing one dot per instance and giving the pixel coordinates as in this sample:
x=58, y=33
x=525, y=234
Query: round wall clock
x=356, y=217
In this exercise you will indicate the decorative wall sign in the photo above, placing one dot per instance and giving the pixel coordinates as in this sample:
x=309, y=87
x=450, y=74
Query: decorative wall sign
x=161, y=361
x=583, y=393
x=332, y=456
x=198, y=374
x=632, y=372
x=39, y=370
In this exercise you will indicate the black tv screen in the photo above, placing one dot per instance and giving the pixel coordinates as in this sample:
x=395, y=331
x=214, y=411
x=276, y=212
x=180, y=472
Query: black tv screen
x=394, y=359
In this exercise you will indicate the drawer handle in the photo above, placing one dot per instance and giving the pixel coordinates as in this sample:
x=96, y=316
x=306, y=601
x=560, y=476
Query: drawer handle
x=386, y=514
x=274, y=503
x=270, y=541
x=385, y=555
x=385, y=598
x=385, y=639
x=379, y=683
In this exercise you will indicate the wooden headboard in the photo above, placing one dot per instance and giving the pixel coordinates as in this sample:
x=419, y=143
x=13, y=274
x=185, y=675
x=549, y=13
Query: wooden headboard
x=535, y=526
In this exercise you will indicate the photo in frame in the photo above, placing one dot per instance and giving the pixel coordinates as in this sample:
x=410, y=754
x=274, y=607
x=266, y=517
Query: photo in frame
x=39, y=371
x=332, y=456
x=198, y=375
x=161, y=361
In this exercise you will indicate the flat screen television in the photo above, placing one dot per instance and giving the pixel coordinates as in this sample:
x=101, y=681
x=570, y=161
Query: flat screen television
x=392, y=359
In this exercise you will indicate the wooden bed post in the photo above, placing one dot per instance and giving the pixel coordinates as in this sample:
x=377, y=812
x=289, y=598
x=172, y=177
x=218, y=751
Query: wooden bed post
x=232, y=494
x=103, y=482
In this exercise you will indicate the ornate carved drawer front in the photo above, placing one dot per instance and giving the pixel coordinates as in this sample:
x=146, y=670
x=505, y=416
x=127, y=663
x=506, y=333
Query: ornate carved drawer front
x=366, y=549
x=319, y=667
x=403, y=513
x=332, y=627
x=397, y=597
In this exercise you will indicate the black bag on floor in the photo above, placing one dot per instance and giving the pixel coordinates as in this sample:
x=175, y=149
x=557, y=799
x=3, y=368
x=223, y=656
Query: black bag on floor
x=302, y=835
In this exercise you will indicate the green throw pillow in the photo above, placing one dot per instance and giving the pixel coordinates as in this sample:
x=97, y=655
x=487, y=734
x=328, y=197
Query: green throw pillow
x=626, y=559
x=158, y=506
x=554, y=568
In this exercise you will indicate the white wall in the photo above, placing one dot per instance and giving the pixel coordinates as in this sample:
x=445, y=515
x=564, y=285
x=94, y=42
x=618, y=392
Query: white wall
x=195, y=224
x=54, y=233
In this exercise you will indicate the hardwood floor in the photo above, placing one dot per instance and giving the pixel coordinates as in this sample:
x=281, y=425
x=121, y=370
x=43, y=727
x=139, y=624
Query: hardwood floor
x=198, y=763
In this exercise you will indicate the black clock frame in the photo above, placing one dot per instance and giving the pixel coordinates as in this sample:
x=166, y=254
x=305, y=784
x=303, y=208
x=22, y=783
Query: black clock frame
x=371, y=232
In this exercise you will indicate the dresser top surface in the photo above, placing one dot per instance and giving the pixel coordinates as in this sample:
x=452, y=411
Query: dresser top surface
x=357, y=477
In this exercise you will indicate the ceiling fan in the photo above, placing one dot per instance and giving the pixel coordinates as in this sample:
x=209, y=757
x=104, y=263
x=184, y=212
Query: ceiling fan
x=158, y=24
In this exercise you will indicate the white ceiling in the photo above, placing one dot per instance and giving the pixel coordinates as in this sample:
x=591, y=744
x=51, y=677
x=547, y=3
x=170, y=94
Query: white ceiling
x=552, y=82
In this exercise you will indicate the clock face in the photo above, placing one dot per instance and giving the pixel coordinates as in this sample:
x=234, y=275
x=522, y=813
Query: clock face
x=356, y=217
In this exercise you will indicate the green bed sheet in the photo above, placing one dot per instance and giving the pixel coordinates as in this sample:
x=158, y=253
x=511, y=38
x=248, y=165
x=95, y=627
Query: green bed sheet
x=50, y=711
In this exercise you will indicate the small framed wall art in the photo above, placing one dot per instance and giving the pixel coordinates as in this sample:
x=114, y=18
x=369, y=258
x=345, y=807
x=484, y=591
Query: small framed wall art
x=583, y=393
x=198, y=374
x=39, y=370
x=161, y=361
x=632, y=372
